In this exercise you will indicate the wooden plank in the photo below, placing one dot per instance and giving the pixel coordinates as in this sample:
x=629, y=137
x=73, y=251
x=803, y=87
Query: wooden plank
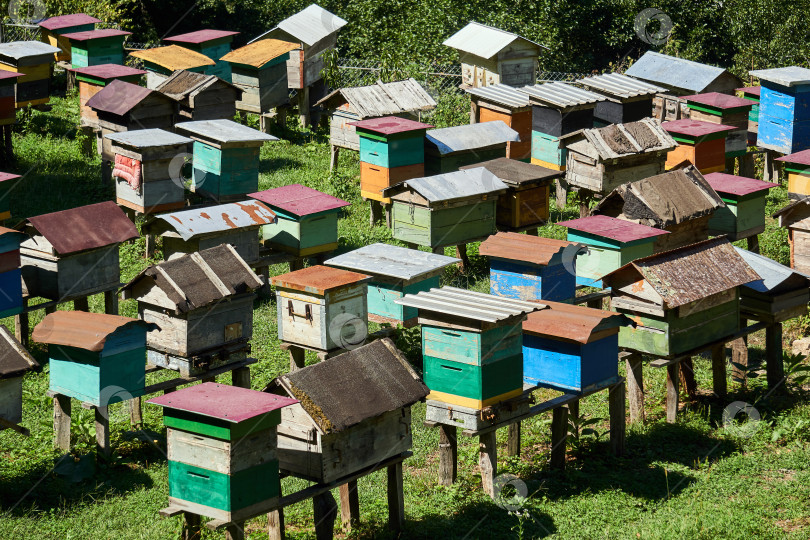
x=719, y=370
x=61, y=422
x=448, y=454
x=324, y=514
x=635, y=386
x=688, y=377
x=191, y=526
x=775, y=367
x=672, y=392
x=396, y=497
x=102, y=421
x=559, y=437
x=349, y=505
x=617, y=407
x=488, y=461
x=275, y=524
x=513, y=440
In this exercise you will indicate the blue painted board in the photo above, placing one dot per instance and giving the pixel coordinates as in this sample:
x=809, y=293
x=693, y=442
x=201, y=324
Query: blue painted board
x=782, y=135
x=569, y=366
x=392, y=153
x=525, y=281
x=11, y=292
x=784, y=103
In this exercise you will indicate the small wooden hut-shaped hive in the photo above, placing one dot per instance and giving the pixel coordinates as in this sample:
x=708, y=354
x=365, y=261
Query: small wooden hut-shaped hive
x=325, y=437
x=510, y=106
x=201, y=97
x=781, y=293
x=600, y=160
x=212, y=43
x=558, y=111
x=681, y=202
x=189, y=231
x=682, y=299
x=146, y=169
x=472, y=345
x=530, y=267
x=784, y=109
x=743, y=215
x=8, y=182
x=96, y=47
x=202, y=304
x=752, y=94
x=94, y=357
x=447, y=209
x=34, y=60
x=221, y=446
x=92, y=79
x=15, y=361
x=610, y=244
x=797, y=167
x=724, y=110
x=259, y=69
x=226, y=158
x=307, y=221
x=8, y=91
x=161, y=62
x=11, y=301
x=74, y=252
x=571, y=348
x=490, y=56
x=701, y=143
x=52, y=29
x=322, y=308
x=447, y=149
x=395, y=272
x=626, y=99
x=795, y=217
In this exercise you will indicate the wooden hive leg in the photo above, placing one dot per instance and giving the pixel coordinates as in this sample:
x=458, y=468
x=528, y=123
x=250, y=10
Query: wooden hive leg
x=775, y=366
x=688, y=377
x=635, y=387
x=561, y=193
x=241, y=377
x=513, y=440
x=297, y=357
x=375, y=211
x=149, y=240
x=436, y=250
x=739, y=357
x=102, y=415
x=334, y=152
x=673, y=379
x=533, y=232
x=61, y=422
x=559, y=436
x=325, y=512
x=191, y=526
x=719, y=371
x=81, y=304
x=303, y=106
x=730, y=165
x=617, y=403
x=50, y=309
x=135, y=413
x=275, y=524
x=461, y=253
x=266, y=289
x=296, y=264
x=388, y=217
x=21, y=325
x=768, y=169
x=111, y=302
x=349, y=505
x=8, y=146
x=753, y=243
x=488, y=461
x=448, y=454
x=396, y=497
x=235, y=531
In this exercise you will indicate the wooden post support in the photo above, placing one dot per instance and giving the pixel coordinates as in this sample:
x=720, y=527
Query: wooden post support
x=21, y=325
x=50, y=309
x=594, y=303
x=191, y=526
x=533, y=232
x=436, y=250
x=61, y=422
x=241, y=377
x=275, y=524
x=303, y=106
x=388, y=216
x=747, y=168
x=688, y=377
x=135, y=413
x=349, y=505
x=265, y=289
x=209, y=379
x=488, y=461
x=753, y=243
x=334, y=152
x=376, y=213
x=635, y=387
x=767, y=169
x=618, y=418
x=8, y=147
x=559, y=436
x=297, y=357
x=562, y=193
x=149, y=240
x=775, y=366
x=281, y=116
x=461, y=253
x=448, y=454
x=739, y=357
x=474, y=112
x=584, y=209
x=325, y=512
x=102, y=415
x=81, y=304
x=297, y=264
x=235, y=531
x=111, y=302
x=672, y=392
x=513, y=440
x=730, y=165
x=573, y=410
x=719, y=371
x=396, y=497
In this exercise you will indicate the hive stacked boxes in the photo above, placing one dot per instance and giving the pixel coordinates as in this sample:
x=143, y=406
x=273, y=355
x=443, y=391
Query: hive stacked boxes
x=701, y=143
x=743, y=215
x=212, y=43
x=96, y=47
x=725, y=110
x=784, y=109
x=11, y=301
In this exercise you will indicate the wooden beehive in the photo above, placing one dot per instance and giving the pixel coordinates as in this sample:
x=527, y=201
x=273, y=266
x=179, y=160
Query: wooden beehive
x=395, y=271
x=743, y=215
x=682, y=77
x=725, y=110
x=226, y=158
x=446, y=209
x=472, y=345
x=94, y=357
x=161, y=62
x=147, y=169
x=784, y=109
x=530, y=267
x=571, y=348
x=202, y=305
x=797, y=167
x=201, y=97
x=96, y=47
x=307, y=221
x=611, y=243
x=15, y=361
x=8, y=183
x=34, y=60
x=510, y=106
x=8, y=91
x=701, y=143
x=341, y=424
x=447, y=149
x=74, y=252
x=682, y=299
x=322, y=308
x=259, y=69
x=11, y=301
x=752, y=94
x=92, y=79
x=626, y=99
x=212, y=43
x=52, y=29
x=795, y=217
x=221, y=444
x=780, y=295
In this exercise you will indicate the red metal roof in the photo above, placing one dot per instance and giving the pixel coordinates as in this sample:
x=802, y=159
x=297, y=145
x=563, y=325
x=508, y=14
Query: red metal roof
x=9, y=75
x=522, y=247
x=96, y=34
x=753, y=90
x=579, y=324
x=736, y=185
x=8, y=176
x=79, y=329
x=119, y=97
x=615, y=229
x=66, y=21
x=106, y=71
x=223, y=402
x=800, y=158
x=200, y=36
x=695, y=128
x=318, y=279
x=299, y=200
x=389, y=125
x=720, y=101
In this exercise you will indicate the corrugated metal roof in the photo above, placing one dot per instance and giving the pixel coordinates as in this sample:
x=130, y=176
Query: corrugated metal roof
x=482, y=40
x=86, y=227
x=120, y=97
x=772, y=274
x=719, y=101
x=223, y=131
x=87, y=35
x=309, y=25
x=785, y=76
x=147, y=138
x=736, y=185
x=619, y=140
x=468, y=304
x=391, y=261
x=615, y=229
x=298, y=200
x=695, y=128
x=14, y=359
x=799, y=158
x=67, y=21
x=389, y=125
x=471, y=137
x=258, y=53
x=200, y=36
x=561, y=95
x=501, y=94
x=514, y=172
x=174, y=57
x=384, y=99
x=620, y=85
x=454, y=185
x=23, y=49
x=579, y=324
x=674, y=72
x=223, y=402
x=80, y=329
x=523, y=247
x=107, y=71
x=318, y=279
x=213, y=219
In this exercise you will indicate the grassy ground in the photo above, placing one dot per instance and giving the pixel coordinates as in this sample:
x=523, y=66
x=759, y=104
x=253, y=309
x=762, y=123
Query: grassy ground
x=695, y=479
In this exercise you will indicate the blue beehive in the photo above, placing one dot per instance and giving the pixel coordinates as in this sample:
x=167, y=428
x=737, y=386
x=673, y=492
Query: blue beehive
x=10, y=279
x=784, y=109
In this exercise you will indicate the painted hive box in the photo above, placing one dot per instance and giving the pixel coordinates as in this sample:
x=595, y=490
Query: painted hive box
x=161, y=62
x=221, y=444
x=780, y=295
x=8, y=91
x=15, y=361
x=92, y=79
x=354, y=412
x=8, y=183
x=795, y=217
x=701, y=143
x=797, y=167
x=95, y=358
x=680, y=300
x=51, y=31
x=395, y=271
x=96, y=47
x=322, y=308
x=201, y=97
x=11, y=297
x=626, y=99
x=472, y=345
x=784, y=109
x=34, y=60
x=447, y=149
x=725, y=110
x=744, y=212
x=212, y=43
x=510, y=106
x=259, y=69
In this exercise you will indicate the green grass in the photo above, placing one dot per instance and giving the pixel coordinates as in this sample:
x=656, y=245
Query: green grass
x=693, y=479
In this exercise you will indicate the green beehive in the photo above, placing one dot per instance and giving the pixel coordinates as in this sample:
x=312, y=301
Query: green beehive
x=743, y=215
x=97, y=47
x=212, y=43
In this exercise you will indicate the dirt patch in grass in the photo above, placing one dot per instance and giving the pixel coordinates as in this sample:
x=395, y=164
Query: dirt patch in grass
x=793, y=525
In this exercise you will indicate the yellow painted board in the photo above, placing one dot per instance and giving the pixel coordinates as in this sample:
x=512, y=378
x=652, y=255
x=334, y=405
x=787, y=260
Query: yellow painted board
x=374, y=197
x=471, y=403
x=548, y=165
x=798, y=183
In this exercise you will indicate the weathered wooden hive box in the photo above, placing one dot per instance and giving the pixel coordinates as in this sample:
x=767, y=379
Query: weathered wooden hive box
x=795, y=217
x=15, y=361
x=226, y=158
x=490, y=56
x=744, y=212
x=682, y=299
x=784, y=109
x=212, y=43
x=201, y=97
x=626, y=99
x=559, y=110
x=74, y=252
x=447, y=149
x=611, y=243
x=392, y=150
x=701, y=143
x=725, y=110
x=752, y=94
x=259, y=69
x=600, y=160
x=189, y=231
x=8, y=91
x=322, y=308
x=96, y=47
x=221, y=444
x=530, y=267
x=679, y=201
x=11, y=301
x=92, y=79
x=446, y=209
x=525, y=204
x=147, y=169
x=510, y=106
x=472, y=345
x=94, y=357
x=52, y=29
x=161, y=62
x=307, y=221
x=780, y=295
x=797, y=167
x=8, y=183
x=353, y=412
x=202, y=305
x=34, y=60
x=395, y=271
x=569, y=347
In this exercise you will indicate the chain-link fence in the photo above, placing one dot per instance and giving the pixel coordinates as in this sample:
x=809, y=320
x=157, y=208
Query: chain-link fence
x=18, y=32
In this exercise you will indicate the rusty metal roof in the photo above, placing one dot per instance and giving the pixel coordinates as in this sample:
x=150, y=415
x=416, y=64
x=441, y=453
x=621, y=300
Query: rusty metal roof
x=579, y=324
x=468, y=305
x=392, y=261
x=174, y=57
x=615, y=229
x=484, y=41
x=622, y=140
x=310, y=25
x=719, y=101
x=224, y=402
x=67, y=21
x=620, y=86
x=318, y=279
x=389, y=125
x=14, y=359
x=201, y=36
x=298, y=200
x=84, y=228
x=212, y=219
x=87, y=35
x=526, y=248
x=120, y=97
x=732, y=184
x=516, y=173
x=80, y=329
x=382, y=99
x=107, y=71
x=258, y=53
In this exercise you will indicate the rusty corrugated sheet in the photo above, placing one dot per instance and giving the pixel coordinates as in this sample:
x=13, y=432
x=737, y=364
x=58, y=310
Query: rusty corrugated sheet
x=213, y=219
x=119, y=97
x=14, y=359
x=80, y=329
x=174, y=57
x=574, y=323
x=515, y=173
x=67, y=21
x=318, y=279
x=260, y=52
x=468, y=305
x=224, y=402
x=200, y=36
x=522, y=247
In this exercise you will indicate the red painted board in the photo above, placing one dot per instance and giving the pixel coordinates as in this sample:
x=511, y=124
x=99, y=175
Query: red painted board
x=389, y=125
x=298, y=200
x=736, y=185
x=615, y=229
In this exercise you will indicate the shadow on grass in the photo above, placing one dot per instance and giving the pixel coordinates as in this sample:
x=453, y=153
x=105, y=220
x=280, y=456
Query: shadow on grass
x=480, y=520
x=275, y=164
